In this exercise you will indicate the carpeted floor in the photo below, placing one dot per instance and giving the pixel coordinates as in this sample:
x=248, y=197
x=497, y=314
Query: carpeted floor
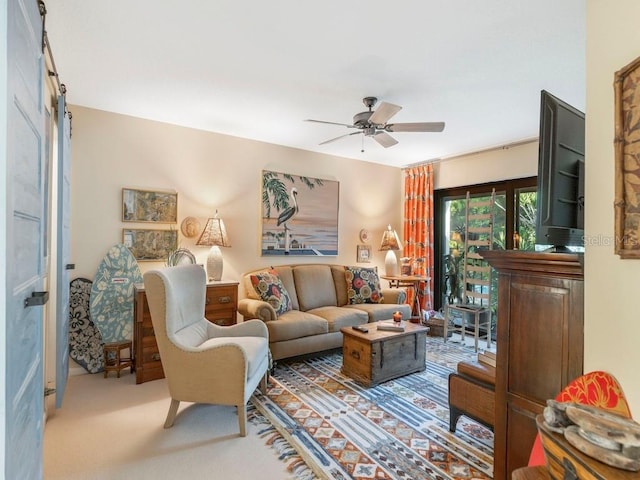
x=112, y=428
x=396, y=430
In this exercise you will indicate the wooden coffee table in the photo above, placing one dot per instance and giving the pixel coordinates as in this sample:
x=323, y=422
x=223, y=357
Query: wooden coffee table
x=377, y=356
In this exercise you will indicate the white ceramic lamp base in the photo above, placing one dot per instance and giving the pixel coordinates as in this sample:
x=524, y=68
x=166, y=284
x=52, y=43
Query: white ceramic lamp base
x=391, y=264
x=214, y=264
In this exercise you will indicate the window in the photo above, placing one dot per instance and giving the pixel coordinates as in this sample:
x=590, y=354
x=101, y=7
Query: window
x=524, y=235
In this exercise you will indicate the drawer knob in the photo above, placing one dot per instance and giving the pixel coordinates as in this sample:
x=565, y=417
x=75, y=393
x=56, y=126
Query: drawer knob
x=355, y=354
x=225, y=299
x=155, y=357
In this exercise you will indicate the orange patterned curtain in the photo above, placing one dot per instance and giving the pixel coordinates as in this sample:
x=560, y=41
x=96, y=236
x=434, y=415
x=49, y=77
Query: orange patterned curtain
x=418, y=227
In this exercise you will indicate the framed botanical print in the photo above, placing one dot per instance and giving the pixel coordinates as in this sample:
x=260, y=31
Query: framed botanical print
x=150, y=245
x=149, y=206
x=627, y=160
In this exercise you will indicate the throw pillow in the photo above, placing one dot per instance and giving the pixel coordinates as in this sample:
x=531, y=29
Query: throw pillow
x=363, y=285
x=270, y=289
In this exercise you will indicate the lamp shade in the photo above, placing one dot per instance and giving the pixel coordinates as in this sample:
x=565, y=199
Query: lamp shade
x=214, y=235
x=390, y=240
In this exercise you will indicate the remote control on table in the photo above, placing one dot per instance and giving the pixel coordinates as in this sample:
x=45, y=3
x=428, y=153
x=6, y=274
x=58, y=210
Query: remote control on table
x=360, y=329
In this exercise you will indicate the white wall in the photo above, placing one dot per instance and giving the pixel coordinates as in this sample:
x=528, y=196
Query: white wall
x=505, y=163
x=210, y=171
x=612, y=323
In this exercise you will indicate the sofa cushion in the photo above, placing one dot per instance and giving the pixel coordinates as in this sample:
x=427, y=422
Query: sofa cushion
x=382, y=311
x=363, y=285
x=296, y=324
x=270, y=289
x=337, y=271
x=338, y=317
x=286, y=277
x=314, y=285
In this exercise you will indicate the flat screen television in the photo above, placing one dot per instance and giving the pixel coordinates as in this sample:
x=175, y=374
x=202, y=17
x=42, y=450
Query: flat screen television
x=560, y=199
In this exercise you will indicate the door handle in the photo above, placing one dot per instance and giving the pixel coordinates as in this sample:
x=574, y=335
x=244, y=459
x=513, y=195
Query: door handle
x=36, y=299
x=70, y=266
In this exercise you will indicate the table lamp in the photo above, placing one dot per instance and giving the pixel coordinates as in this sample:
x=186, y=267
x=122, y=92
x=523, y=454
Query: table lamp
x=215, y=236
x=390, y=243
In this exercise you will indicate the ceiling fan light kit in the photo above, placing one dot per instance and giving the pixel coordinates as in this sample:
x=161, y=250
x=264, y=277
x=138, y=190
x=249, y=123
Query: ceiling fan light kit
x=374, y=123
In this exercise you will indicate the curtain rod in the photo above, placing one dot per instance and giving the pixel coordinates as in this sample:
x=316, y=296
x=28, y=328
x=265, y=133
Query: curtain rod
x=506, y=146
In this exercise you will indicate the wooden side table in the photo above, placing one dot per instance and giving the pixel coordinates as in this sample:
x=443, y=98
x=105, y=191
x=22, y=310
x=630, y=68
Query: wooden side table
x=409, y=281
x=221, y=307
x=113, y=359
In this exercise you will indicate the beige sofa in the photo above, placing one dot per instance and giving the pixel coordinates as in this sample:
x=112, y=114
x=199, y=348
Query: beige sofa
x=320, y=308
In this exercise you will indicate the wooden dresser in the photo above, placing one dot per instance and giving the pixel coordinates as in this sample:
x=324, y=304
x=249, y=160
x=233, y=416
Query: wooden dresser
x=221, y=308
x=540, y=344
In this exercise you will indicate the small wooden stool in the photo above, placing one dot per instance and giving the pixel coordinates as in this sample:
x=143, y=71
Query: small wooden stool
x=472, y=393
x=112, y=359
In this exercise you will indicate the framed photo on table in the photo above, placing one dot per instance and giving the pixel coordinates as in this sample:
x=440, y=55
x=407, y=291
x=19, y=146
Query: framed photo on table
x=363, y=254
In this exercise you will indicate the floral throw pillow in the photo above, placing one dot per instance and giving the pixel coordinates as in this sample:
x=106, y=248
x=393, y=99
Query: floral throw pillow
x=363, y=285
x=270, y=289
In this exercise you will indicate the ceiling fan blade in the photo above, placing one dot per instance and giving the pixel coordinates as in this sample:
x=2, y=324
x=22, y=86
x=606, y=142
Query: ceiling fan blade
x=415, y=127
x=385, y=139
x=330, y=123
x=338, y=138
x=384, y=112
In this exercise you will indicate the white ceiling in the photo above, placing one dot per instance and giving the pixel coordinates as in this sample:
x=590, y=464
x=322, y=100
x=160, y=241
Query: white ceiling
x=257, y=69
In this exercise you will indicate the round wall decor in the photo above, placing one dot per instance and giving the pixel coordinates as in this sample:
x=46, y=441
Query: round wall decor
x=190, y=227
x=365, y=236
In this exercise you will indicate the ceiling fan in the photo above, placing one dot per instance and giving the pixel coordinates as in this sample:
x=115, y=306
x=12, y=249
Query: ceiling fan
x=374, y=124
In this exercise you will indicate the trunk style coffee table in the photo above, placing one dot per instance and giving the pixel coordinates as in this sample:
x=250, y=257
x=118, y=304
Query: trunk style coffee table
x=379, y=355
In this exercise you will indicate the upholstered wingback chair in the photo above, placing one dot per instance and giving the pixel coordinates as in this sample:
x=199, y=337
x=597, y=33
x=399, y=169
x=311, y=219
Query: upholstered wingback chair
x=203, y=362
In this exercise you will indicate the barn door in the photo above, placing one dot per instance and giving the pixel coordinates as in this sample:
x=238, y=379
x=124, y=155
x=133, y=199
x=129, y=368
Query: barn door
x=63, y=254
x=23, y=215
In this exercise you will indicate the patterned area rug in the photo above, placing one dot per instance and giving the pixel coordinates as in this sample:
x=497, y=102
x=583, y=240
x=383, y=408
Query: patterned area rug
x=396, y=430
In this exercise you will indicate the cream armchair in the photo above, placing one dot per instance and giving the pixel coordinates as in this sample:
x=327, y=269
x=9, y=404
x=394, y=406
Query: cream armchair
x=203, y=362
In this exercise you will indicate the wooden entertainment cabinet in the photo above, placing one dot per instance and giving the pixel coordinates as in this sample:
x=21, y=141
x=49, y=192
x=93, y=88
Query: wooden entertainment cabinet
x=221, y=308
x=540, y=344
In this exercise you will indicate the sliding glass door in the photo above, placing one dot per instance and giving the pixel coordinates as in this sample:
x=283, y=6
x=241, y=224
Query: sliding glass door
x=514, y=227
